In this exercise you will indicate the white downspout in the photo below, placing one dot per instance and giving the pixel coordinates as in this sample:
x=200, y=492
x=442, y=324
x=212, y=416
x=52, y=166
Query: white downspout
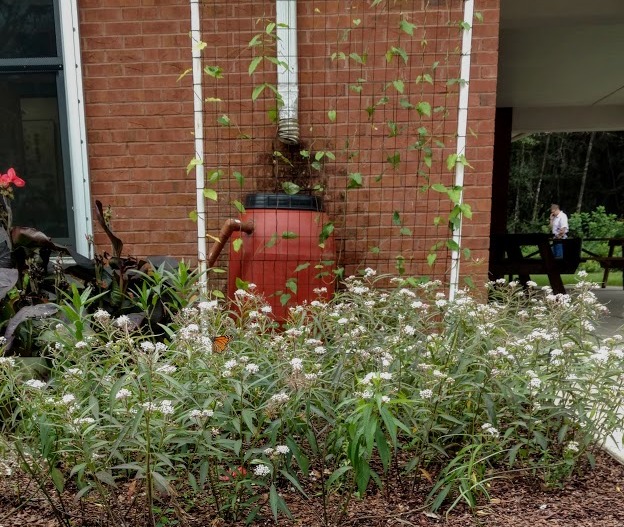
x=198, y=107
x=462, y=125
x=287, y=74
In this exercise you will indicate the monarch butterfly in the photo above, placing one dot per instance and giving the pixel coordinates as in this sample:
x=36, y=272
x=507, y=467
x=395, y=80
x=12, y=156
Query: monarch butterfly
x=220, y=343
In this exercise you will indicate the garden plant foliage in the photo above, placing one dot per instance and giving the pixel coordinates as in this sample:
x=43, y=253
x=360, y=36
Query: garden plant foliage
x=392, y=381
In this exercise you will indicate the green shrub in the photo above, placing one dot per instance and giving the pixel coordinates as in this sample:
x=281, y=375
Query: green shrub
x=378, y=381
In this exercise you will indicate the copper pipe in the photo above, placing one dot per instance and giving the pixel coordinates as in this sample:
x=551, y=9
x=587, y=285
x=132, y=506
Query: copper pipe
x=229, y=227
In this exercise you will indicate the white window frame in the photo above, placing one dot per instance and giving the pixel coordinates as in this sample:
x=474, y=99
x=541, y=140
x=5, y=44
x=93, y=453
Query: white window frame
x=76, y=127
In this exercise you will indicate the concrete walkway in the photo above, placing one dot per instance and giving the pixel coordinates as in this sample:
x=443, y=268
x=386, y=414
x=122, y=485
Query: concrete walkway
x=613, y=298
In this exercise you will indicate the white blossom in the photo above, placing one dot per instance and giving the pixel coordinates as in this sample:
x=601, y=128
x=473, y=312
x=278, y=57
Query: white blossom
x=262, y=470
x=36, y=384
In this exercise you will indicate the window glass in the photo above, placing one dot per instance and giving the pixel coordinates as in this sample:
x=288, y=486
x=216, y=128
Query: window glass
x=27, y=28
x=30, y=142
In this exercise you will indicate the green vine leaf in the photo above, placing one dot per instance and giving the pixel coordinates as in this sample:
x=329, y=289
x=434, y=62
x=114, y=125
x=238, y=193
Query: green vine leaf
x=396, y=218
x=290, y=188
x=424, y=108
x=360, y=59
x=214, y=71
x=326, y=232
x=399, y=85
x=289, y=235
x=192, y=164
x=331, y=114
x=355, y=180
x=239, y=206
x=407, y=27
x=431, y=258
x=210, y=194
x=237, y=244
x=239, y=178
x=254, y=64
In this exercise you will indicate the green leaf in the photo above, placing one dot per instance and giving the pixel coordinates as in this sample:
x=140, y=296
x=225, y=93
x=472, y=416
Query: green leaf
x=399, y=85
x=431, y=258
x=360, y=59
x=355, y=180
x=239, y=178
x=241, y=284
x=254, y=64
x=291, y=284
x=357, y=21
x=382, y=448
x=375, y=250
x=396, y=218
x=214, y=175
x=218, y=294
x=58, y=479
x=273, y=501
x=331, y=114
x=272, y=241
x=336, y=474
x=255, y=41
x=214, y=71
x=394, y=52
x=326, y=232
x=453, y=245
x=270, y=28
x=237, y=244
x=479, y=16
x=284, y=298
x=466, y=210
x=192, y=164
x=193, y=215
x=451, y=161
x=210, y=194
x=302, y=267
x=257, y=91
x=290, y=188
x=289, y=235
x=224, y=120
x=405, y=231
x=394, y=160
x=239, y=206
x=407, y=27
x=424, y=108
x=406, y=104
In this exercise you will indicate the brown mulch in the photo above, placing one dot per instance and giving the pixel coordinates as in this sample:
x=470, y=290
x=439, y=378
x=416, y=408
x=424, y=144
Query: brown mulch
x=593, y=499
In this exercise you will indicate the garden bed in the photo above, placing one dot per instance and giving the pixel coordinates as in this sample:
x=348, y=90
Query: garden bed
x=591, y=499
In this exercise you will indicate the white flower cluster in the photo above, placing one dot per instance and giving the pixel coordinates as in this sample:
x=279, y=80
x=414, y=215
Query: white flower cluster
x=7, y=361
x=200, y=414
x=279, y=398
x=489, y=429
x=262, y=470
x=122, y=394
x=36, y=384
x=101, y=316
x=167, y=369
x=572, y=446
x=165, y=407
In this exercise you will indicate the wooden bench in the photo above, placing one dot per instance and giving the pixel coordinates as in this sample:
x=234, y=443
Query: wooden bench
x=610, y=261
x=506, y=258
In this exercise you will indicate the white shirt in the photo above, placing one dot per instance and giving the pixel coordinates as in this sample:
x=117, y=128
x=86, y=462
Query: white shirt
x=560, y=225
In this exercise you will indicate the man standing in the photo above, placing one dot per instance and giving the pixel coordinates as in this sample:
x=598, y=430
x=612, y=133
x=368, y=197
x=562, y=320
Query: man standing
x=559, y=228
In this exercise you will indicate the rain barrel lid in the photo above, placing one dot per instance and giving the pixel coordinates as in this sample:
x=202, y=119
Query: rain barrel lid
x=284, y=201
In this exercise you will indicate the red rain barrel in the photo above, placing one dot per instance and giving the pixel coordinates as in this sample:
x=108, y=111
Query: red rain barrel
x=285, y=239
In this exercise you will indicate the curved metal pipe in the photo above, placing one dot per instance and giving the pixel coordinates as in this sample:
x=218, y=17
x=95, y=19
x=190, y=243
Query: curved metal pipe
x=229, y=227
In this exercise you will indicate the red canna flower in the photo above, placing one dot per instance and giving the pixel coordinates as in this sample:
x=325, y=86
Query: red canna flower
x=11, y=178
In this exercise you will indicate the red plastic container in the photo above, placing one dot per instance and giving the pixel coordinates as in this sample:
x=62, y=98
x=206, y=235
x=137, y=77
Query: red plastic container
x=285, y=239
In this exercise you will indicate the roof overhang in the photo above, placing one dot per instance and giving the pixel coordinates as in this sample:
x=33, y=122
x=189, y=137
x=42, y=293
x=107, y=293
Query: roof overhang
x=560, y=64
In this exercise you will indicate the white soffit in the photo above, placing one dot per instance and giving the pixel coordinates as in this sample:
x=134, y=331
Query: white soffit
x=560, y=64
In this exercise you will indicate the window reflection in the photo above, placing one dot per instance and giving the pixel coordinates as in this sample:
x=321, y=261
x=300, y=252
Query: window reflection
x=27, y=28
x=30, y=142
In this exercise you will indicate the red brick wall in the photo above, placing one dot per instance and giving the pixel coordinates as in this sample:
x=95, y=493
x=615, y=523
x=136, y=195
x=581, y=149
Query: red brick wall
x=139, y=120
